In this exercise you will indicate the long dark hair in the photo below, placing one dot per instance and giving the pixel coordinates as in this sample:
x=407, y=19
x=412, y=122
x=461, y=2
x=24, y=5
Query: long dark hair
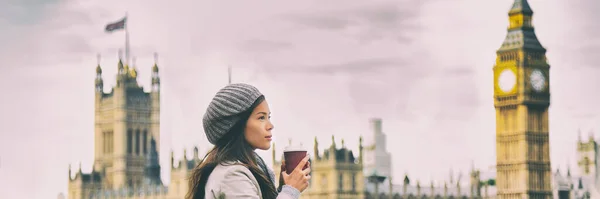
x=232, y=147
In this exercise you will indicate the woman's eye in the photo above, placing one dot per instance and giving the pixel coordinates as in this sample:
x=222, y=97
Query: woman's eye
x=261, y=118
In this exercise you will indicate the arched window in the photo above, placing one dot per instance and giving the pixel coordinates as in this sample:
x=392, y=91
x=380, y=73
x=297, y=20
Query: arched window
x=340, y=182
x=137, y=142
x=586, y=165
x=145, y=142
x=353, y=182
x=129, y=141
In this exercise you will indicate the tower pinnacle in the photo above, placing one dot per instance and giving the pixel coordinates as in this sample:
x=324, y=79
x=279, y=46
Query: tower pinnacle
x=520, y=7
x=521, y=33
x=155, y=78
x=98, y=59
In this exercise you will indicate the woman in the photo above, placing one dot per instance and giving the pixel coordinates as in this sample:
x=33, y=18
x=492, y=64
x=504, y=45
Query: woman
x=237, y=122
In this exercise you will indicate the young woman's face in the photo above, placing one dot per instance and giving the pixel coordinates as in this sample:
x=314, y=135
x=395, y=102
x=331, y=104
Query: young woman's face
x=259, y=126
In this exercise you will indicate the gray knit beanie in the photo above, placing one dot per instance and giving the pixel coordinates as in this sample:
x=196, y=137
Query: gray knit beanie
x=224, y=110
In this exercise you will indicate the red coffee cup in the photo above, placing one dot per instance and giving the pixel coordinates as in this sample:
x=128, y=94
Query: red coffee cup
x=293, y=155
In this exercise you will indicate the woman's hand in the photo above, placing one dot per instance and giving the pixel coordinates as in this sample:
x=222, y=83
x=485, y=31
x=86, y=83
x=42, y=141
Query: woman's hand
x=298, y=178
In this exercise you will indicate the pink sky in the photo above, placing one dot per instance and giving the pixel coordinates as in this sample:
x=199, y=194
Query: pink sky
x=425, y=67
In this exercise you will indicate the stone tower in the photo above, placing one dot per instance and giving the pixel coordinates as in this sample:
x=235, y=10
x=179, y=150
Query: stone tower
x=376, y=155
x=336, y=173
x=586, y=155
x=127, y=130
x=521, y=99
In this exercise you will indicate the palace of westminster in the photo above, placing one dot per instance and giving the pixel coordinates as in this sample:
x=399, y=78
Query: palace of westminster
x=127, y=141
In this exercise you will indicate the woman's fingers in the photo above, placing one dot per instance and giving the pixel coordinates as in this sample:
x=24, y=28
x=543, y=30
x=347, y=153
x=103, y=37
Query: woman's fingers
x=306, y=171
x=302, y=163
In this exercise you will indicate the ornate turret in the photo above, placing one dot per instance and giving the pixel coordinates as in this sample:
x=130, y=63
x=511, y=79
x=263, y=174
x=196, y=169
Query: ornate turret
x=99, y=81
x=333, y=142
x=360, y=149
x=69, y=171
x=120, y=67
x=418, y=189
x=172, y=159
x=120, y=71
x=458, y=193
x=445, y=189
x=406, y=183
x=185, y=154
x=133, y=71
x=155, y=78
x=273, y=152
x=316, y=148
x=196, y=154
x=475, y=185
x=451, y=176
x=432, y=189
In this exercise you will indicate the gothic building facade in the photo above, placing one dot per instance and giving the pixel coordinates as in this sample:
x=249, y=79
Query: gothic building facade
x=521, y=100
x=126, y=144
x=585, y=184
x=338, y=173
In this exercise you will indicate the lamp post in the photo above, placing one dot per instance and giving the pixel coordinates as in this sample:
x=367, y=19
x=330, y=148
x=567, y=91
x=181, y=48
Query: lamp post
x=376, y=179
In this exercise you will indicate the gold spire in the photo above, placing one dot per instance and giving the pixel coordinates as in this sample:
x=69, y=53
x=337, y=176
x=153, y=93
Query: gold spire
x=133, y=72
x=98, y=69
x=520, y=15
x=155, y=67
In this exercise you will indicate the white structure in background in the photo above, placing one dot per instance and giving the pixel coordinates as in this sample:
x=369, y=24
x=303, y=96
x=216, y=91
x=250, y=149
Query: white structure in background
x=584, y=185
x=376, y=156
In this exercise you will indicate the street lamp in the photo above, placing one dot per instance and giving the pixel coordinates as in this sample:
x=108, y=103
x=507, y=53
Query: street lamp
x=376, y=179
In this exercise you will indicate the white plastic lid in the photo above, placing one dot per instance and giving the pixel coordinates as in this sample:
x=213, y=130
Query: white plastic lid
x=294, y=148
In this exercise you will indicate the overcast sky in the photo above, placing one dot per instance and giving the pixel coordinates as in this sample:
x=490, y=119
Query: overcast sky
x=326, y=67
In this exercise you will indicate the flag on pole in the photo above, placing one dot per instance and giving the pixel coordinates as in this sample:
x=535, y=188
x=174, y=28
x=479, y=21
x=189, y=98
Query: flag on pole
x=116, y=25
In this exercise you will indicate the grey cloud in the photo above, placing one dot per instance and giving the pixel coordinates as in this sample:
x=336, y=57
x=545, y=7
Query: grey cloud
x=458, y=71
x=25, y=13
x=57, y=39
x=583, y=32
x=355, y=66
x=384, y=14
x=264, y=45
x=379, y=20
x=320, y=22
x=582, y=116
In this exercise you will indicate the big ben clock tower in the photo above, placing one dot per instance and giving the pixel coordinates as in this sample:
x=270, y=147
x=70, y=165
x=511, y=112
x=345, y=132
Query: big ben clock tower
x=521, y=99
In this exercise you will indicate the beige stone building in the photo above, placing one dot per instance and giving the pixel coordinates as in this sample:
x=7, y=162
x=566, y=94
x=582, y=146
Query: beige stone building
x=126, y=144
x=584, y=184
x=336, y=173
x=521, y=100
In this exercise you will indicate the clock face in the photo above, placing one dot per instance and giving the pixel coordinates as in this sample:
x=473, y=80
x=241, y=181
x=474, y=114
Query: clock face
x=507, y=80
x=537, y=80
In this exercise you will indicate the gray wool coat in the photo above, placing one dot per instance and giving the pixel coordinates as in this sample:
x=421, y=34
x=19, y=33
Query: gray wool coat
x=233, y=181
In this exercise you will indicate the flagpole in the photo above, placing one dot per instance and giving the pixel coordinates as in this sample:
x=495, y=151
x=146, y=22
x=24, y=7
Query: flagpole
x=126, y=42
x=229, y=73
